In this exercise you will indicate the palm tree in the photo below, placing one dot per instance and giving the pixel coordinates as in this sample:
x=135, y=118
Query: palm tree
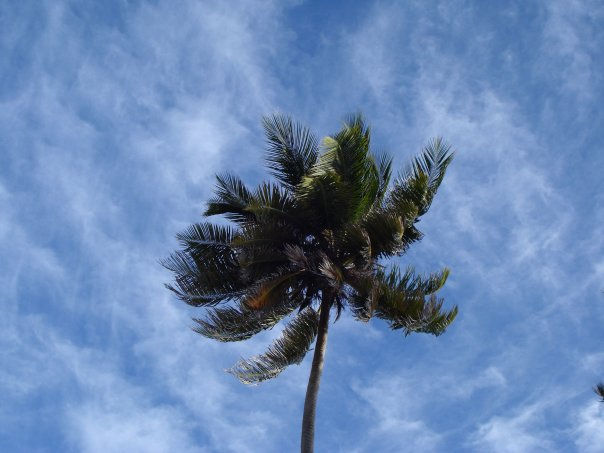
x=309, y=243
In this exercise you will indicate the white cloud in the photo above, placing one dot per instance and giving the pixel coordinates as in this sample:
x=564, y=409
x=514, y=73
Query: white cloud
x=518, y=433
x=395, y=421
x=588, y=430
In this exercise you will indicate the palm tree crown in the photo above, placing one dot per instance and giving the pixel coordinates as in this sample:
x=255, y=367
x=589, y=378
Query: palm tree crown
x=310, y=242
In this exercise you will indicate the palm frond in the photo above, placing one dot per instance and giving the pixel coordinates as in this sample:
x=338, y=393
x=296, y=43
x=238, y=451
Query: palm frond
x=268, y=292
x=410, y=282
x=433, y=162
x=204, y=239
x=385, y=231
x=240, y=323
x=292, y=149
x=205, y=280
x=290, y=348
x=385, y=173
x=355, y=164
x=406, y=301
x=231, y=199
x=271, y=202
x=424, y=176
x=326, y=197
x=354, y=245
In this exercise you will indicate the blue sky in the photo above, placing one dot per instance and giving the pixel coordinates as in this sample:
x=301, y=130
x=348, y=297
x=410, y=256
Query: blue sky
x=114, y=117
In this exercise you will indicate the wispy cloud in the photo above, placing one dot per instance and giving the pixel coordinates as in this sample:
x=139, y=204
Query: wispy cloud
x=114, y=119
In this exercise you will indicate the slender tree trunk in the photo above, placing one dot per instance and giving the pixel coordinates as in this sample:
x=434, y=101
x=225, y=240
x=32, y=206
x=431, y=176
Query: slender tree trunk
x=312, y=390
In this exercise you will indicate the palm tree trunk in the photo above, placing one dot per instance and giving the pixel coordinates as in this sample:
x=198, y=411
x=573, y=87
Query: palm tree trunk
x=312, y=390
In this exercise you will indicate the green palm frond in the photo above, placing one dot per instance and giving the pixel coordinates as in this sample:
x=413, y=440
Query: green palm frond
x=197, y=297
x=289, y=349
x=385, y=173
x=231, y=198
x=292, y=149
x=410, y=282
x=354, y=245
x=433, y=162
x=423, y=178
x=352, y=160
x=406, y=301
x=240, y=323
x=385, y=231
x=272, y=202
x=325, y=196
x=268, y=234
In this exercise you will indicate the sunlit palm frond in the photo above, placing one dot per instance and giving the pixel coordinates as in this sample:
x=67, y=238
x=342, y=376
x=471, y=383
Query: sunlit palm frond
x=433, y=162
x=290, y=348
x=421, y=181
x=407, y=301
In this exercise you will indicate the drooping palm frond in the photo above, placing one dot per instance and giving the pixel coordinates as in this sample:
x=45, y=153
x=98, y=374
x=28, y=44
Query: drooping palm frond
x=240, y=323
x=205, y=281
x=290, y=348
x=292, y=149
x=406, y=301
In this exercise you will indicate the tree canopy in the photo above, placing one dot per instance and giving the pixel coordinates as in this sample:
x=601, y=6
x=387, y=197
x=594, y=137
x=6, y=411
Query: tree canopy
x=318, y=231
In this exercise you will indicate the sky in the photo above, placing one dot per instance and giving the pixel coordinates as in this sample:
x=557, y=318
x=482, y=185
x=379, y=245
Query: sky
x=114, y=118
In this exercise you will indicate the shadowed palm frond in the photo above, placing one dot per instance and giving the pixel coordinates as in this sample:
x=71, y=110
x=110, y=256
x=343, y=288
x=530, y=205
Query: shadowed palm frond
x=240, y=323
x=206, y=239
x=270, y=291
x=385, y=231
x=292, y=149
x=231, y=198
x=271, y=202
x=207, y=281
x=289, y=349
